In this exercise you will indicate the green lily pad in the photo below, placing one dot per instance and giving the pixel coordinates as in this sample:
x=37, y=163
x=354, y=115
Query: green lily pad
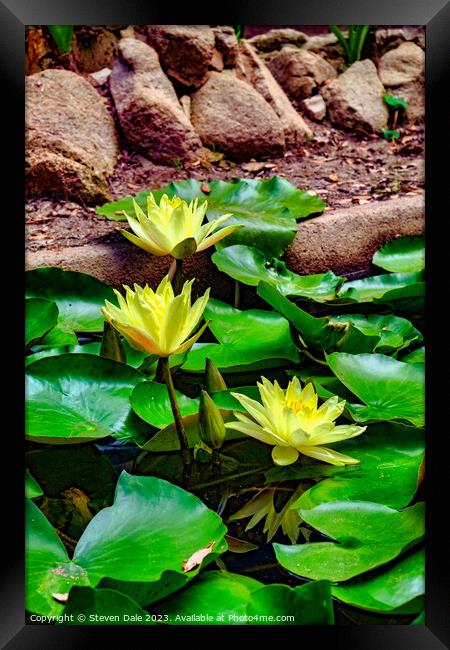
x=134, y=358
x=32, y=487
x=58, y=337
x=77, y=398
x=381, y=333
x=390, y=389
x=214, y=598
x=266, y=209
x=230, y=357
x=49, y=569
x=79, y=297
x=151, y=402
x=367, y=535
x=402, y=255
x=384, y=289
x=308, y=604
x=40, y=317
x=250, y=266
x=399, y=585
x=222, y=598
x=390, y=456
x=155, y=525
x=103, y=607
x=416, y=356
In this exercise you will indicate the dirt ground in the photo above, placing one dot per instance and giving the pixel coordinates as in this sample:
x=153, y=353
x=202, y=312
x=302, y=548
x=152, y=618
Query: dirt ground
x=343, y=168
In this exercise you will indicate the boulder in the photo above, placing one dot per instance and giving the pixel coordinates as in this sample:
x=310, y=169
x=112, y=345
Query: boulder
x=255, y=72
x=226, y=43
x=185, y=51
x=300, y=72
x=314, y=107
x=147, y=106
x=71, y=141
x=355, y=99
x=94, y=48
x=276, y=38
x=388, y=38
x=229, y=114
x=328, y=47
x=402, y=72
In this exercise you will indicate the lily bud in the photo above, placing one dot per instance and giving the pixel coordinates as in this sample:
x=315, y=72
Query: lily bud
x=213, y=379
x=212, y=426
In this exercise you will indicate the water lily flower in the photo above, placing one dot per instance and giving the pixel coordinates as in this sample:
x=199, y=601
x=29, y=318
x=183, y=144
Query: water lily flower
x=291, y=421
x=174, y=227
x=157, y=322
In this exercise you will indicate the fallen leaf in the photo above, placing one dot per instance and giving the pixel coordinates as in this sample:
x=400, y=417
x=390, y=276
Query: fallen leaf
x=61, y=598
x=333, y=177
x=205, y=188
x=197, y=558
x=253, y=166
x=236, y=545
x=119, y=213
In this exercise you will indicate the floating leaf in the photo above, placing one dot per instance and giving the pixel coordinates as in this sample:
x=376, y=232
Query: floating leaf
x=367, y=535
x=32, y=487
x=388, y=588
x=79, y=296
x=267, y=209
x=385, y=288
x=77, y=398
x=152, y=523
x=416, y=356
x=103, y=607
x=309, y=604
x=40, y=317
x=390, y=389
x=390, y=456
x=250, y=266
x=402, y=255
x=151, y=402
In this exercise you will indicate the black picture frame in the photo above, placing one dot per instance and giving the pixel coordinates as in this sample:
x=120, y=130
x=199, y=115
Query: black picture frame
x=435, y=16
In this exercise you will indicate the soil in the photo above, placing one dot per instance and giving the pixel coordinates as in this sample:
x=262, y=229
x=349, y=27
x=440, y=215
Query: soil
x=343, y=168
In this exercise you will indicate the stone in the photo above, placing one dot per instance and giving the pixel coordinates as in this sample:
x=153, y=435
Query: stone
x=355, y=99
x=276, y=38
x=402, y=72
x=255, y=72
x=328, y=47
x=300, y=72
x=389, y=38
x=314, y=107
x=345, y=240
x=185, y=51
x=226, y=43
x=94, y=48
x=71, y=141
x=148, y=109
x=101, y=76
x=229, y=114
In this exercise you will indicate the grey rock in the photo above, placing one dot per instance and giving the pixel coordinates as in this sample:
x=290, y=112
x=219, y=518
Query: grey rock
x=226, y=43
x=71, y=141
x=229, y=114
x=276, y=38
x=150, y=114
x=355, y=99
x=402, y=72
x=328, y=47
x=255, y=72
x=300, y=72
x=314, y=107
x=185, y=51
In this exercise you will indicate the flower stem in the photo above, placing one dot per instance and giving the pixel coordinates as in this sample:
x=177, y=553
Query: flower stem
x=177, y=282
x=184, y=445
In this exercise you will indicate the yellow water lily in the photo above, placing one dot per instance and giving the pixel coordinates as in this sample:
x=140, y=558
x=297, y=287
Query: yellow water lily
x=157, y=322
x=291, y=421
x=174, y=227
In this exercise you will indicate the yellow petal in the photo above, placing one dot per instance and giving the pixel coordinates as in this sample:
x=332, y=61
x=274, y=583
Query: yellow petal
x=284, y=455
x=220, y=234
x=145, y=245
x=341, y=432
x=328, y=456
